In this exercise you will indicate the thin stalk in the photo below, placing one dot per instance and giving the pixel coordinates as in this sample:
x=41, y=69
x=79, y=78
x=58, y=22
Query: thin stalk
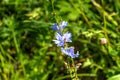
x=81, y=12
x=4, y=76
x=54, y=11
x=75, y=70
x=15, y=41
x=72, y=69
x=3, y=53
x=69, y=69
x=102, y=11
x=1, y=57
x=81, y=75
x=2, y=61
x=18, y=50
x=105, y=32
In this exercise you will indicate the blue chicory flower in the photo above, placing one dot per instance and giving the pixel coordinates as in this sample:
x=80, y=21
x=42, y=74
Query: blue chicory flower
x=62, y=39
x=62, y=25
x=67, y=37
x=70, y=52
x=55, y=27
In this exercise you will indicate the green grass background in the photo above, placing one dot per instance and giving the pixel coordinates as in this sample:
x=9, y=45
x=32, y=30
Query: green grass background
x=27, y=51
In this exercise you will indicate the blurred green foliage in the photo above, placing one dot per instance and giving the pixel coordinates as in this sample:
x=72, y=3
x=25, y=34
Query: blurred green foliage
x=28, y=53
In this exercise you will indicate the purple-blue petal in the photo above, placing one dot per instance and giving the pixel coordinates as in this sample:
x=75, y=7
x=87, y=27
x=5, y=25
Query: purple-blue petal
x=70, y=52
x=63, y=24
x=63, y=50
x=55, y=27
x=59, y=39
x=58, y=36
x=67, y=37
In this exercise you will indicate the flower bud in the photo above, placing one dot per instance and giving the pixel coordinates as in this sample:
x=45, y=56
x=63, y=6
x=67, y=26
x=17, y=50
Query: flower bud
x=103, y=40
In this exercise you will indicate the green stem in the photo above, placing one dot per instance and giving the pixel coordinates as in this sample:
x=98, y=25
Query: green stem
x=81, y=12
x=1, y=57
x=105, y=31
x=18, y=51
x=75, y=70
x=81, y=75
x=15, y=41
x=72, y=69
x=54, y=11
x=5, y=76
x=2, y=50
x=69, y=68
x=106, y=35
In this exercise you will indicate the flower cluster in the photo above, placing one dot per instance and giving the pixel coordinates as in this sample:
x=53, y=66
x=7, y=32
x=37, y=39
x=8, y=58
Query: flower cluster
x=62, y=39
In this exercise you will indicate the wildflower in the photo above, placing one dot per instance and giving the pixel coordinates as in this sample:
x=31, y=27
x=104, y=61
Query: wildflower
x=103, y=40
x=67, y=37
x=62, y=39
x=70, y=52
x=60, y=27
x=55, y=27
x=63, y=25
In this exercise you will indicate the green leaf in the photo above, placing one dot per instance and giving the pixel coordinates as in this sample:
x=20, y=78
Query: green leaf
x=116, y=77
